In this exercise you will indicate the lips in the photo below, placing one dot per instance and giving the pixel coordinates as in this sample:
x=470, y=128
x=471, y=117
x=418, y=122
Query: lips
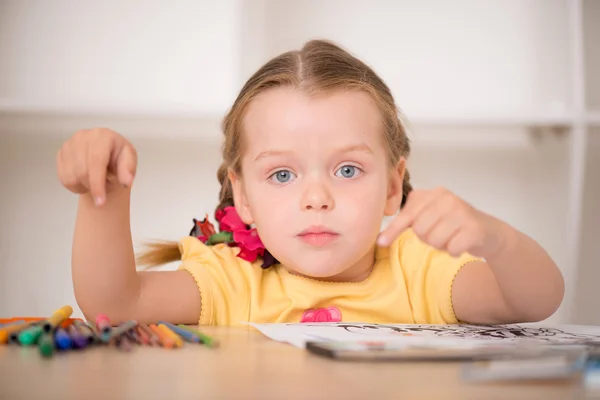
x=318, y=236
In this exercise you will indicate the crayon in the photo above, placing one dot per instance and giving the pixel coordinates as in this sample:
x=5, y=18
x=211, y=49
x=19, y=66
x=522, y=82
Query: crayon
x=31, y=335
x=78, y=340
x=123, y=343
x=176, y=339
x=206, y=340
x=152, y=337
x=142, y=335
x=7, y=331
x=62, y=339
x=13, y=337
x=46, y=344
x=165, y=341
x=57, y=318
x=123, y=328
x=104, y=327
x=133, y=336
x=186, y=335
x=86, y=331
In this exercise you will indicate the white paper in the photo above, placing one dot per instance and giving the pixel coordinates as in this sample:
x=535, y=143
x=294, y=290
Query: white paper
x=432, y=335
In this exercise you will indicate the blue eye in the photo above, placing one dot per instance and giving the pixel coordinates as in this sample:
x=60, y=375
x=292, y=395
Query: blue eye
x=347, y=171
x=283, y=176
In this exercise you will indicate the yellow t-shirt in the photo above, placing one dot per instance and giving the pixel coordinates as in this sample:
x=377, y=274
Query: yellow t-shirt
x=411, y=282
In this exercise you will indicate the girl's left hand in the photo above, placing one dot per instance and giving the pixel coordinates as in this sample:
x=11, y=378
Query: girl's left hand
x=447, y=222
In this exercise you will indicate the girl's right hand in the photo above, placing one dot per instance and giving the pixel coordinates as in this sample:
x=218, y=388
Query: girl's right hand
x=96, y=161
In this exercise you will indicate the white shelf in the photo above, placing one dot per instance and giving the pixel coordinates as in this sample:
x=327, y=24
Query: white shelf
x=492, y=121
x=143, y=126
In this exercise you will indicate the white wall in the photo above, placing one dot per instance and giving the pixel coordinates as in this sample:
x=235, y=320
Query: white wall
x=176, y=182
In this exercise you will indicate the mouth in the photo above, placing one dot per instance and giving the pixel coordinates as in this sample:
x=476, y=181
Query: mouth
x=318, y=236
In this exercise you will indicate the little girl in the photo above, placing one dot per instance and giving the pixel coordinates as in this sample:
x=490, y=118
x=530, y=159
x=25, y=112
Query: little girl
x=314, y=158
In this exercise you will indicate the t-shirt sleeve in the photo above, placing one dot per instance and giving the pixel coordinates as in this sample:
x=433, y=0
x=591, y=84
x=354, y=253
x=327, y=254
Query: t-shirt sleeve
x=221, y=279
x=429, y=274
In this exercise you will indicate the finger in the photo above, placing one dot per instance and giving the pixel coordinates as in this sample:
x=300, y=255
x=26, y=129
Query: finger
x=98, y=159
x=66, y=174
x=127, y=165
x=436, y=210
x=461, y=242
x=417, y=201
x=444, y=231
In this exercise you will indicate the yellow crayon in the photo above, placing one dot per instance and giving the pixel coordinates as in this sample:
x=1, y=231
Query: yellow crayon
x=57, y=318
x=171, y=334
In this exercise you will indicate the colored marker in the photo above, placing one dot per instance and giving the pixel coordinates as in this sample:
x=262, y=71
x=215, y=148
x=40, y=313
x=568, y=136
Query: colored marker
x=207, y=340
x=176, y=339
x=123, y=343
x=30, y=336
x=133, y=336
x=188, y=336
x=142, y=335
x=123, y=328
x=13, y=337
x=152, y=337
x=104, y=327
x=57, y=318
x=7, y=331
x=78, y=341
x=62, y=339
x=86, y=331
x=165, y=340
x=46, y=344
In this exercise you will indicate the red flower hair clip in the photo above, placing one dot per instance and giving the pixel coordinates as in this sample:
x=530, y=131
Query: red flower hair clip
x=235, y=233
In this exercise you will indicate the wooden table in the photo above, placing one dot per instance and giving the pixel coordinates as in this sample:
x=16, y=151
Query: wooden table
x=246, y=365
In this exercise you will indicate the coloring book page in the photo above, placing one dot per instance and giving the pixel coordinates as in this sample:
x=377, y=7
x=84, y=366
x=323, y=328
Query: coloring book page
x=431, y=335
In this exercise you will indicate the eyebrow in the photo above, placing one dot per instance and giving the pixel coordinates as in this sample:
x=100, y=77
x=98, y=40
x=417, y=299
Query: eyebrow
x=348, y=149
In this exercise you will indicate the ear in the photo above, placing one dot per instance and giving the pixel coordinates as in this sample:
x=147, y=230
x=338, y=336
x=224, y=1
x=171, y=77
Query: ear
x=239, y=198
x=394, y=193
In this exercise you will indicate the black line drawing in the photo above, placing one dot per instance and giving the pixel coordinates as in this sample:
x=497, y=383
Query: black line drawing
x=481, y=332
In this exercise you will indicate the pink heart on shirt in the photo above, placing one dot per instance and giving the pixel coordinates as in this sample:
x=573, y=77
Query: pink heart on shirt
x=330, y=314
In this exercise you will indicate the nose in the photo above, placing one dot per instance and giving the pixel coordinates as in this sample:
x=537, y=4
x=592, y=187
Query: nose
x=317, y=196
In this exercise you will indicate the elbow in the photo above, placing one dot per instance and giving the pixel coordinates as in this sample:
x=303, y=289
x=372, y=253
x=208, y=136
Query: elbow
x=546, y=304
x=92, y=307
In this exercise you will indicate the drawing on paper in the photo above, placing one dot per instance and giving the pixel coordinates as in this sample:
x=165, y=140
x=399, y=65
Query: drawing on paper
x=505, y=332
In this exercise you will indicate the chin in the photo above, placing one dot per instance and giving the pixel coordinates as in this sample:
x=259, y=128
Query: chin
x=318, y=273
x=320, y=267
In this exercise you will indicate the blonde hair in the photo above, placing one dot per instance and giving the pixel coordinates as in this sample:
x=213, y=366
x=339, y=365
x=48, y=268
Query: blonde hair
x=319, y=67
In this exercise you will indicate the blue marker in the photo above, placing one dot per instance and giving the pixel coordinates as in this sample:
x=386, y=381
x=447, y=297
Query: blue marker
x=188, y=336
x=62, y=339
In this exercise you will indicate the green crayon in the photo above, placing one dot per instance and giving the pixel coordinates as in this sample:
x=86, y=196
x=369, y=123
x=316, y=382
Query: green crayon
x=30, y=336
x=206, y=340
x=46, y=345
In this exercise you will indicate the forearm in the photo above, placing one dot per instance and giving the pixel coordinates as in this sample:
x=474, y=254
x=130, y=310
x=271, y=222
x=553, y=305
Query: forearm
x=103, y=263
x=531, y=283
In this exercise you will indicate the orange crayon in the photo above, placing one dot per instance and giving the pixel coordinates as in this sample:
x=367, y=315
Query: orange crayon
x=165, y=340
x=153, y=338
x=176, y=338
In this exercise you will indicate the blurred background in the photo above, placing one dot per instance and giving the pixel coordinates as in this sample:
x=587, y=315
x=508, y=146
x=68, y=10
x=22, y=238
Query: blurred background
x=502, y=98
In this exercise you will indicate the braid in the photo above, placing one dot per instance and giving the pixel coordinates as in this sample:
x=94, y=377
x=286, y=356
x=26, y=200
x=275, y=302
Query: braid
x=406, y=188
x=226, y=192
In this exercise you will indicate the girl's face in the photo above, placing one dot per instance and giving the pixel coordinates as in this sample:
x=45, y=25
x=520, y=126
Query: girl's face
x=316, y=180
